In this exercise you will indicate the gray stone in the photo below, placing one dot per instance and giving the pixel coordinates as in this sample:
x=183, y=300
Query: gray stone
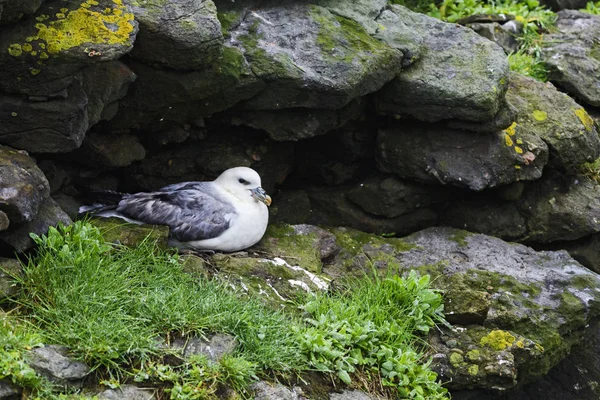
x=499, y=34
x=9, y=270
x=572, y=56
x=129, y=392
x=290, y=206
x=439, y=155
x=586, y=251
x=460, y=75
x=557, y=119
x=320, y=60
x=350, y=395
x=179, y=35
x=4, y=221
x=216, y=347
x=564, y=4
x=23, y=186
x=390, y=197
x=54, y=363
x=14, y=10
x=49, y=214
x=267, y=391
x=331, y=207
x=110, y=150
x=8, y=391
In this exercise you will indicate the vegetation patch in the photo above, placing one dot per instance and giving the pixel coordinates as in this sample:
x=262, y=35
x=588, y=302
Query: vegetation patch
x=116, y=307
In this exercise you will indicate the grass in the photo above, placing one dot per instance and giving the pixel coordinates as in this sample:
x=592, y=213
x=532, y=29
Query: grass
x=592, y=170
x=113, y=307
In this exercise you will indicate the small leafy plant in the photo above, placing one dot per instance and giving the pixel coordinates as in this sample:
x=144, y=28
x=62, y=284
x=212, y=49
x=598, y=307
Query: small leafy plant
x=592, y=8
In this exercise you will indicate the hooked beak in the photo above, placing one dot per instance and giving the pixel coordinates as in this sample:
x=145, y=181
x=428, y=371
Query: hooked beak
x=260, y=195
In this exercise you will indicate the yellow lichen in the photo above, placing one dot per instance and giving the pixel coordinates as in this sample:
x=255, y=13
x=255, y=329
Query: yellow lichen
x=517, y=167
x=473, y=369
x=540, y=115
x=519, y=141
x=35, y=71
x=508, y=140
x=15, y=50
x=512, y=129
x=518, y=150
x=44, y=55
x=498, y=340
x=14, y=114
x=26, y=47
x=585, y=119
x=81, y=26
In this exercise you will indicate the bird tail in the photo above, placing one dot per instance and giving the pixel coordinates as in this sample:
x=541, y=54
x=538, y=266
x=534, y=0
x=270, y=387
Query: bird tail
x=101, y=201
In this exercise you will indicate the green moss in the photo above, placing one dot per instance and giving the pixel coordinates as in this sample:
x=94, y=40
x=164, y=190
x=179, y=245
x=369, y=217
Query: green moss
x=473, y=369
x=456, y=359
x=498, y=340
x=115, y=230
x=231, y=63
x=474, y=355
x=227, y=19
x=460, y=237
x=344, y=40
x=281, y=240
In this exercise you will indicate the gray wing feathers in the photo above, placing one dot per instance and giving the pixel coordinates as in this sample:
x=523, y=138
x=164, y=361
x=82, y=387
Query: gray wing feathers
x=192, y=210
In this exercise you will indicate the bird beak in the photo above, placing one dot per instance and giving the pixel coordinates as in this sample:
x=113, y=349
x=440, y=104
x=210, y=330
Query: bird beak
x=260, y=195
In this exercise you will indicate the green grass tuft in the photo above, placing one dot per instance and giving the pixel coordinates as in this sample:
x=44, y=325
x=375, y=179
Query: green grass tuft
x=592, y=8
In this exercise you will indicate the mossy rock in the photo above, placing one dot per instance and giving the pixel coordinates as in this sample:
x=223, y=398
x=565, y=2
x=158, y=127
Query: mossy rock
x=115, y=230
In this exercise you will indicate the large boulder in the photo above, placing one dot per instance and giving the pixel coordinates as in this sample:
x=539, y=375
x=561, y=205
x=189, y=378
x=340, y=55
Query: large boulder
x=433, y=153
x=516, y=312
x=460, y=75
x=179, y=35
x=557, y=119
x=13, y=10
x=572, y=55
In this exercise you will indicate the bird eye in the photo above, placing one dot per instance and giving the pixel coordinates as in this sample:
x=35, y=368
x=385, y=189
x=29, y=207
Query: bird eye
x=243, y=181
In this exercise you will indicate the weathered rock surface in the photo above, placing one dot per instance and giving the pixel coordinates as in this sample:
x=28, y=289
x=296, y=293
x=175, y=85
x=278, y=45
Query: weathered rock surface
x=128, y=392
x=503, y=34
x=8, y=391
x=116, y=230
x=214, y=348
x=553, y=208
x=586, y=251
x=268, y=391
x=564, y=4
x=54, y=363
x=557, y=119
x=435, y=154
x=572, y=55
x=179, y=35
x=459, y=75
x=350, y=395
x=23, y=186
x=49, y=214
x=13, y=10
x=110, y=150
x=4, y=221
x=533, y=306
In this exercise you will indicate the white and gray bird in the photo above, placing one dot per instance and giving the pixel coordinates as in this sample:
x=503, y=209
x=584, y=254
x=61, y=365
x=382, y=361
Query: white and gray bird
x=228, y=214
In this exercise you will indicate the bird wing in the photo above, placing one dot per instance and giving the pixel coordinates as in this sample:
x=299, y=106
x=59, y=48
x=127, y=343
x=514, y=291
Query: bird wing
x=192, y=210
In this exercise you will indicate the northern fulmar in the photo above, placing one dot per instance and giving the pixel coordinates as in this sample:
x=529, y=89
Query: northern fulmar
x=228, y=214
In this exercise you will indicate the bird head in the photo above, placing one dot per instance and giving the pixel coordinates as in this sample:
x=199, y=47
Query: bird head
x=242, y=182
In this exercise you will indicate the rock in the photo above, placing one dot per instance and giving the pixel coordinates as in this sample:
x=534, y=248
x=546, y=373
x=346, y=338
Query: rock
x=14, y=10
x=502, y=120
x=178, y=35
x=389, y=197
x=571, y=56
x=557, y=119
x=110, y=150
x=465, y=308
x=540, y=303
x=128, y=392
x=503, y=35
x=320, y=60
x=439, y=155
x=460, y=75
x=9, y=270
x=217, y=346
x=331, y=207
x=350, y=395
x=561, y=208
x=49, y=214
x=23, y=186
x=54, y=363
x=8, y=391
x=586, y=251
x=116, y=230
x=564, y=4
x=105, y=84
x=267, y=391
x=303, y=245
x=291, y=207
x=554, y=208
x=4, y=221
x=43, y=52
x=295, y=123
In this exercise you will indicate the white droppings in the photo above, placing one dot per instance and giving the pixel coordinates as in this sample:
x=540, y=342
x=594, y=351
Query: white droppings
x=301, y=284
x=276, y=292
x=321, y=283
